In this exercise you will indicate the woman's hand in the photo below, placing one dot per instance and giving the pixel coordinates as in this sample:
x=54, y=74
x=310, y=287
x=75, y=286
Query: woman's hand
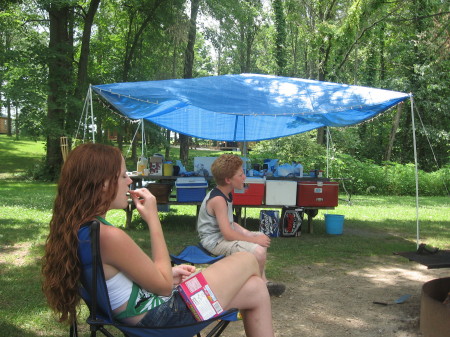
x=144, y=201
x=181, y=273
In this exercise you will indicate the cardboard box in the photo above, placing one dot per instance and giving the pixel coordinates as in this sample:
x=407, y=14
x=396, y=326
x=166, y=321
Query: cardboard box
x=202, y=166
x=291, y=222
x=317, y=193
x=269, y=223
x=281, y=192
x=191, y=189
x=252, y=195
x=156, y=166
x=199, y=298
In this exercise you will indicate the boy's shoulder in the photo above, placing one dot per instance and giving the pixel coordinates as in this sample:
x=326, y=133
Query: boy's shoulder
x=215, y=192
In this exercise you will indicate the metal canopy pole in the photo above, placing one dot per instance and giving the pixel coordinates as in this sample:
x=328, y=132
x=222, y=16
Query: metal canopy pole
x=328, y=149
x=92, y=114
x=142, y=138
x=416, y=171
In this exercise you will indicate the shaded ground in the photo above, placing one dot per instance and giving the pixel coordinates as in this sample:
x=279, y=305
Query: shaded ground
x=337, y=300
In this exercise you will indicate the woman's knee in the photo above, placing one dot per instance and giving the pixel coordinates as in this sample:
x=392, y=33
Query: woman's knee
x=257, y=287
x=246, y=258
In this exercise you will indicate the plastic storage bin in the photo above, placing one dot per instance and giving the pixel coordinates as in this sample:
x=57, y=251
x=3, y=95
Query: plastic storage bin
x=317, y=193
x=252, y=195
x=281, y=192
x=191, y=189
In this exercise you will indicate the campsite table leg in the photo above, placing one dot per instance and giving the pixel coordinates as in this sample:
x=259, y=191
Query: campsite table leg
x=238, y=214
x=311, y=213
x=129, y=214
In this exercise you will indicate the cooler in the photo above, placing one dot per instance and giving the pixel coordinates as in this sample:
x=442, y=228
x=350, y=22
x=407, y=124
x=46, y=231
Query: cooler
x=281, y=192
x=317, y=193
x=252, y=195
x=191, y=189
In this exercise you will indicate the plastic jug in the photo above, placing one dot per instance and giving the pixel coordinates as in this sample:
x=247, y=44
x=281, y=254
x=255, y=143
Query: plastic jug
x=142, y=164
x=168, y=168
x=298, y=170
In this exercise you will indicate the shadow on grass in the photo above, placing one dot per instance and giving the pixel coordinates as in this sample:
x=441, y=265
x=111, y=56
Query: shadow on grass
x=22, y=301
x=14, y=231
x=11, y=330
x=359, y=241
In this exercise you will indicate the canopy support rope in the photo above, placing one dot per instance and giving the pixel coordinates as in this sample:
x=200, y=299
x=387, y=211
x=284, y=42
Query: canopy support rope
x=137, y=130
x=85, y=113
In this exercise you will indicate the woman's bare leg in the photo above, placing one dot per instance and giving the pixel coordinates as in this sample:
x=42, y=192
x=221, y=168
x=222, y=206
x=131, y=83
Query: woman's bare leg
x=237, y=283
x=261, y=256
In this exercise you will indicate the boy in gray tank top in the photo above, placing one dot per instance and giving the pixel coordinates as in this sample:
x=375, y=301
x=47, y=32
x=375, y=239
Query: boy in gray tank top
x=218, y=232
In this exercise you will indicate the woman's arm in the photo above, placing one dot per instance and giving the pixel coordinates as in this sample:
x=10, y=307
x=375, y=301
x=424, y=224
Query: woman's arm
x=120, y=253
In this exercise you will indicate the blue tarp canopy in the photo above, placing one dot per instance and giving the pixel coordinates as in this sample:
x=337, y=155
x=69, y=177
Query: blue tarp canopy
x=247, y=107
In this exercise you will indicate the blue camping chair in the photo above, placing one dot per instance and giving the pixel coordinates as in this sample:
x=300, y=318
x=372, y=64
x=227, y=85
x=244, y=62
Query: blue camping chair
x=94, y=292
x=195, y=255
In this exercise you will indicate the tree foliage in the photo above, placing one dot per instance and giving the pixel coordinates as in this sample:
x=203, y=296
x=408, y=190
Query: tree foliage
x=52, y=50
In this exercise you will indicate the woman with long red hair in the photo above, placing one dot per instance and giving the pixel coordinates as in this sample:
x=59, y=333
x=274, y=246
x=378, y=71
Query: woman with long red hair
x=94, y=180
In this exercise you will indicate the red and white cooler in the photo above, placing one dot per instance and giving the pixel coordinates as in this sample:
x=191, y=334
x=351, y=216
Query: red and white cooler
x=317, y=193
x=252, y=195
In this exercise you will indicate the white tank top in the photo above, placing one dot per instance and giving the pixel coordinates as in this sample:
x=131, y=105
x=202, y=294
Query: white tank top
x=119, y=289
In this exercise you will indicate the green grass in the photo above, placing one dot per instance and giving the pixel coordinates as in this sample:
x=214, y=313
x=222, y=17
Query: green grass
x=374, y=227
x=17, y=156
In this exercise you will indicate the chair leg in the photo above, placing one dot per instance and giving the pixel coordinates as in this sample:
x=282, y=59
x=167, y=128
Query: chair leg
x=218, y=329
x=100, y=328
x=74, y=329
x=105, y=332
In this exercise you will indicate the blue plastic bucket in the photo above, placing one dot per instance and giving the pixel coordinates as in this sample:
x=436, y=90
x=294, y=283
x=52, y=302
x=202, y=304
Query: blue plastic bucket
x=334, y=223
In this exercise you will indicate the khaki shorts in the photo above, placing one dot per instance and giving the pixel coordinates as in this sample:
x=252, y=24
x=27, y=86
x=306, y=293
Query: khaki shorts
x=225, y=247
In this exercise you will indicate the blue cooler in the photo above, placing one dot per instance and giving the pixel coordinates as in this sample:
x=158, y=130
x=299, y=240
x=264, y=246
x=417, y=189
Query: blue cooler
x=191, y=189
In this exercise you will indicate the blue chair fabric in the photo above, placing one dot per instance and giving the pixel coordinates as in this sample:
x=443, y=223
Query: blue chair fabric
x=94, y=292
x=195, y=255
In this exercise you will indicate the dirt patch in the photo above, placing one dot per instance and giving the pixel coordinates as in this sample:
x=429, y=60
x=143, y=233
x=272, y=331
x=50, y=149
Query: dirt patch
x=337, y=300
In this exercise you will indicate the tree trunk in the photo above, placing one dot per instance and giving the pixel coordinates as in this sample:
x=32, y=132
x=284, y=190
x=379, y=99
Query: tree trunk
x=387, y=156
x=189, y=53
x=280, y=37
x=137, y=36
x=167, y=154
x=188, y=67
x=320, y=136
x=82, y=77
x=59, y=72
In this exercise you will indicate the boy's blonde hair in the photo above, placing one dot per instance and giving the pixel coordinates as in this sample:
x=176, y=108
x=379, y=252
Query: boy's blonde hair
x=225, y=166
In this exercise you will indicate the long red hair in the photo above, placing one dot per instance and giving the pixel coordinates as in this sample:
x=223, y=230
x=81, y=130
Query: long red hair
x=81, y=196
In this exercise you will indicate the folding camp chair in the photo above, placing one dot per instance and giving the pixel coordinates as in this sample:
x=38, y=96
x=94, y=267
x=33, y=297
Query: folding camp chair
x=195, y=255
x=94, y=292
